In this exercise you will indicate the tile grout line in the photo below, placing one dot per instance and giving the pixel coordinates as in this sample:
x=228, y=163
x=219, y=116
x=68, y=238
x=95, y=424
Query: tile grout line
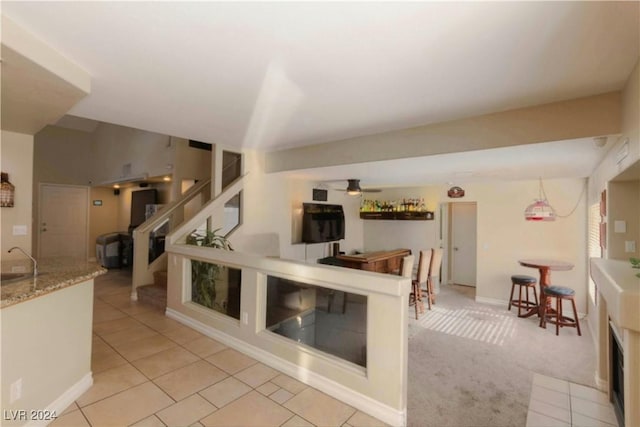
x=570, y=406
x=182, y=346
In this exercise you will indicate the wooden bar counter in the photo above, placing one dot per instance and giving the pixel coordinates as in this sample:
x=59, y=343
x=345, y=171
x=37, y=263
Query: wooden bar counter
x=380, y=262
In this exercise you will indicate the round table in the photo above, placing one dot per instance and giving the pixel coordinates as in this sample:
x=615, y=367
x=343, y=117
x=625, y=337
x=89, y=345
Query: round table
x=544, y=266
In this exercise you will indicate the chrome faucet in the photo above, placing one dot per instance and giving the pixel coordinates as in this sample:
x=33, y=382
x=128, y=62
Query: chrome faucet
x=35, y=263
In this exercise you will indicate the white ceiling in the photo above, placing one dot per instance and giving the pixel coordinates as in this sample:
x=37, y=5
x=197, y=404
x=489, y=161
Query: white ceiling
x=272, y=75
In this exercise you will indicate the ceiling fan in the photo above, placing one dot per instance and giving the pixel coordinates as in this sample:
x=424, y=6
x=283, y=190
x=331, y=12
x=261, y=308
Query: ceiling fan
x=353, y=188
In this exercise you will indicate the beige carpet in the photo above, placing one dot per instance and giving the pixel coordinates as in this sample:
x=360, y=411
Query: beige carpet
x=472, y=364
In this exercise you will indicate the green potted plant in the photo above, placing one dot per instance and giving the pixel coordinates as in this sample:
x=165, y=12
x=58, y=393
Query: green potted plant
x=205, y=274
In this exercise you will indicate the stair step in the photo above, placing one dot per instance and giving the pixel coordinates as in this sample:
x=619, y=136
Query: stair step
x=155, y=295
x=160, y=278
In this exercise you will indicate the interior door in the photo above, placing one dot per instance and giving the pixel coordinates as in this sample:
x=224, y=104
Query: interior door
x=463, y=243
x=62, y=221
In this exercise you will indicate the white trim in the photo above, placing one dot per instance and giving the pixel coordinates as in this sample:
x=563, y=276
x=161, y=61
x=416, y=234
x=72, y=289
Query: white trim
x=594, y=334
x=364, y=403
x=603, y=385
x=65, y=399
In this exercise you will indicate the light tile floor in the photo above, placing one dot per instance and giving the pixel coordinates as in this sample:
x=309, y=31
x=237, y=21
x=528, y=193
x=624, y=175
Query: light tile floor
x=149, y=370
x=558, y=403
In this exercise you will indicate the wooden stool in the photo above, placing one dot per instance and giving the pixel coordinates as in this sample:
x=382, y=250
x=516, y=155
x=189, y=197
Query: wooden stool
x=559, y=293
x=527, y=282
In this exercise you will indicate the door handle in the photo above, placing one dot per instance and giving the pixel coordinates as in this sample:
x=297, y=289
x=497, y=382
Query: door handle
x=455, y=249
x=44, y=229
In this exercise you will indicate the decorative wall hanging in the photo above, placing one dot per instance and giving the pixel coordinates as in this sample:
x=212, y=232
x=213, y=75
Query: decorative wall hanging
x=455, y=192
x=7, y=191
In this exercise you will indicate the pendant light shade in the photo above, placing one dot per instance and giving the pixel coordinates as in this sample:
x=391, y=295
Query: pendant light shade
x=540, y=210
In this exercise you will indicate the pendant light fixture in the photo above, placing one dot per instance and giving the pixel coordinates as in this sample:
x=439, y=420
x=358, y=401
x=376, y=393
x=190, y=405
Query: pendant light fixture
x=540, y=209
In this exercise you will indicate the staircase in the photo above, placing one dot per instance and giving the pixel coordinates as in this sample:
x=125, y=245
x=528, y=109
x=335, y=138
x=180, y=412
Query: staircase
x=155, y=294
x=164, y=221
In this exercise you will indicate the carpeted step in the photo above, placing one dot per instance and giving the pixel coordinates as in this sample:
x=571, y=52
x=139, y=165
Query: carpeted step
x=160, y=278
x=153, y=294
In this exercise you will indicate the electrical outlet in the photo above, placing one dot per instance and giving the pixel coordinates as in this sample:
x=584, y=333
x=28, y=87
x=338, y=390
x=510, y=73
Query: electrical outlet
x=630, y=246
x=16, y=391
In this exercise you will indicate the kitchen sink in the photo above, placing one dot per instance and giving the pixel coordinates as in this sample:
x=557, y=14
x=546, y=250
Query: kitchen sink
x=6, y=278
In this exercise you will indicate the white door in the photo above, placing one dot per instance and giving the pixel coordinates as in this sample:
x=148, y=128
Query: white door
x=62, y=221
x=463, y=243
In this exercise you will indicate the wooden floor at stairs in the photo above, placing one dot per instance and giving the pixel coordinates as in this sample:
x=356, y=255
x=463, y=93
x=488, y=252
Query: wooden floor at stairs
x=155, y=294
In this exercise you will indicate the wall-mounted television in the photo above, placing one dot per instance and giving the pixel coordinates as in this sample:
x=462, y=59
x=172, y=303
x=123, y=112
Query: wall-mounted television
x=322, y=223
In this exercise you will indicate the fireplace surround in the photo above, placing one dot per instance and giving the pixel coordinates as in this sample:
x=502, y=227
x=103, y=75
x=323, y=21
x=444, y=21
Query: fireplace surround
x=616, y=362
x=618, y=326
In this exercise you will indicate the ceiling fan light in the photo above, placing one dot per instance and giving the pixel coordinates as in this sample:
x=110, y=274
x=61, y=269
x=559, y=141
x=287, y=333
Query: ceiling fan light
x=540, y=210
x=353, y=189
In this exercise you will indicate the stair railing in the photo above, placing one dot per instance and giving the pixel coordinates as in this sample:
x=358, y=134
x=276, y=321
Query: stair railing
x=211, y=208
x=148, y=237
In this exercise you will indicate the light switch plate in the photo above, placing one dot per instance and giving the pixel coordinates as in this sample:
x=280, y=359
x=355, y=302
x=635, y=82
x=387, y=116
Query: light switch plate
x=620, y=226
x=19, y=230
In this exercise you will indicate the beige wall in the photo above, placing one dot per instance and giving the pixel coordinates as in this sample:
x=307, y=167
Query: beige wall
x=190, y=164
x=116, y=146
x=102, y=219
x=503, y=235
x=46, y=342
x=17, y=160
x=272, y=223
x=60, y=156
x=624, y=205
x=576, y=118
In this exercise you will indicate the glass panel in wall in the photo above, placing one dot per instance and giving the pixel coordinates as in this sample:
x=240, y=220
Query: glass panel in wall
x=231, y=167
x=216, y=287
x=232, y=216
x=332, y=321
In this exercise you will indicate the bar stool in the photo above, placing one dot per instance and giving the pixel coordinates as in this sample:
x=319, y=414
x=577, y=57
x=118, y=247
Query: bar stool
x=559, y=293
x=527, y=282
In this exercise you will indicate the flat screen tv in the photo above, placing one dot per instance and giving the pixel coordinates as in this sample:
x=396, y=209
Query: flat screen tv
x=322, y=223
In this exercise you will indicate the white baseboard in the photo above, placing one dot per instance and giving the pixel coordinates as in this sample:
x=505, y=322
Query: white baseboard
x=65, y=399
x=603, y=385
x=364, y=403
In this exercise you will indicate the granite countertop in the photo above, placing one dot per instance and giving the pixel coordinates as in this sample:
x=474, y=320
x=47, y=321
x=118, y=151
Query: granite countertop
x=53, y=274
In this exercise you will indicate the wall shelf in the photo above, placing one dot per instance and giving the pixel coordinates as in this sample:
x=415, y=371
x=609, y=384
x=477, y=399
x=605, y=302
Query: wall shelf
x=398, y=216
